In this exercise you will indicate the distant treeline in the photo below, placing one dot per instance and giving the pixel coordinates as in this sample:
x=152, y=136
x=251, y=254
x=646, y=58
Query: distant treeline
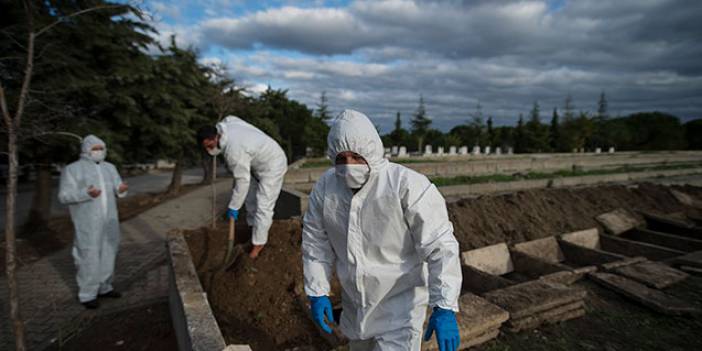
x=566, y=131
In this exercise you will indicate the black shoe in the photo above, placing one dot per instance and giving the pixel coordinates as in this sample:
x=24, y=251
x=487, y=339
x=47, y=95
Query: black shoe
x=112, y=294
x=91, y=305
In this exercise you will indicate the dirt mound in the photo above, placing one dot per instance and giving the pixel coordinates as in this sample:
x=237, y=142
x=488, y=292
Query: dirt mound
x=528, y=215
x=255, y=301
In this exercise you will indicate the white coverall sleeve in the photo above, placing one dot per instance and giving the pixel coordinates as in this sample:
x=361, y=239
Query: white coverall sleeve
x=241, y=170
x=429, y=224
x=117, y=181
x=318, y=257
x=69, y=193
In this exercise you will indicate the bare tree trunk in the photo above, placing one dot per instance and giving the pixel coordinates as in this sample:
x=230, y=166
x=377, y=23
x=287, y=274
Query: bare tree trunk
x=177, y=179
x=10, y=259
x=40, y=213
x=214, y=192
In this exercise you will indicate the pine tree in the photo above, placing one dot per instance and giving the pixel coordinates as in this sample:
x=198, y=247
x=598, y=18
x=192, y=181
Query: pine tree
x=420, y=123
x=323, y=108
x=490, y=132
x=602, y=106
x=519, y=135
x=569, y=108
x=555, y=131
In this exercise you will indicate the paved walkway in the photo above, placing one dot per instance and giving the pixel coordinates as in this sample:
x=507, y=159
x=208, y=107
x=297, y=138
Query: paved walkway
x=47, y=287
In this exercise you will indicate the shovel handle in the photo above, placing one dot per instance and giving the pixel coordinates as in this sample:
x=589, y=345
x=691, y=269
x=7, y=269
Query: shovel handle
x=231, y=229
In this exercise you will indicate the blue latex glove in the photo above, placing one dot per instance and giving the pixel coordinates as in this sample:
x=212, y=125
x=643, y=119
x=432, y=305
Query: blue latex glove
x=444, y=323
x=321, y=306
x=232, y=213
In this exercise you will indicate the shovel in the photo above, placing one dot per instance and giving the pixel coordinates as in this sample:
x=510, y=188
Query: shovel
x=233, y=252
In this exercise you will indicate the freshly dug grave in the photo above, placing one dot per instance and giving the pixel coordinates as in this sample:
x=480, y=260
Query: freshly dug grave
x=256, y=302
x=529, y=215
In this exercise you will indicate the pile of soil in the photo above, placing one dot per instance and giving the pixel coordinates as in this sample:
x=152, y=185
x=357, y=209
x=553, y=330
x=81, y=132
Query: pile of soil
x=256, y=301
x=529, y=215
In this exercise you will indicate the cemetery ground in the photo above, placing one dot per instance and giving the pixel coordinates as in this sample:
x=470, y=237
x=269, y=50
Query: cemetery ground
x=260, y=302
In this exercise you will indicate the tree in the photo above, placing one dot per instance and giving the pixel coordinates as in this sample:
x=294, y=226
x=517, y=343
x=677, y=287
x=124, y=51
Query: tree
x=519, y=136
x=536, y=134
x=490, y=133
x=693, y=134
x=15, y=91
x=323, y=108
x=420, y=123
x=569, y=108
x=602, y=106
x=555, y=132
x=399, y=135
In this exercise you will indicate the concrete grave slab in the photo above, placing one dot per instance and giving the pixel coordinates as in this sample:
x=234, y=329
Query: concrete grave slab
x=623, y=262
x=528, y=298
x=477, y=320
x=554, y=315
x=654, y=299
x=633, y=248
x=686, y=199
x=493, y=259
x=567, y=277
x=653, y=274
x=693, y=259
x=589, y=238
x=618, y=221
x=546, y=249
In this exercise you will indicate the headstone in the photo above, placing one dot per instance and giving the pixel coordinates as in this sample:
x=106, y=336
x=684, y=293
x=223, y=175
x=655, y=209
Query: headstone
x=498, y=151
x=575, y=150
x=611, y=149
x=476, y=150
x=487, y=150
x=402, y=152
x=452, y=150
x=463, y=150
x=510, y=150
x=395, y=149
x=440, y=150
x=598, y=150
x=427, y=150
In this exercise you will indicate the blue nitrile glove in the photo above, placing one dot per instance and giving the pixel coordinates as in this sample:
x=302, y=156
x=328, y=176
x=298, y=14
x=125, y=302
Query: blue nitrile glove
x=232, y=213
x=444, y=323
x=321, y=306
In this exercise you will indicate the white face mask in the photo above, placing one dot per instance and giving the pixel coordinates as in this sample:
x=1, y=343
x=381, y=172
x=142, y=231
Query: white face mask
x=97, y=155
x=354, y=175
x=214, y=151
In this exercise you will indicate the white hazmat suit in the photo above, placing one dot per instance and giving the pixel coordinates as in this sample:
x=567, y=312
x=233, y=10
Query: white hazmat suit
x=95, y=220
x=258, y=164
x=391, y=242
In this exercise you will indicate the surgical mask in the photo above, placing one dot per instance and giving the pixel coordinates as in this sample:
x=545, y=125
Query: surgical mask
x=354, y=175
x=214, y=151
x=97, y=155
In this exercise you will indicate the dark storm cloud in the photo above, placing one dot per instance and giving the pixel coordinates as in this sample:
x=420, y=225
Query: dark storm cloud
x=379, y=56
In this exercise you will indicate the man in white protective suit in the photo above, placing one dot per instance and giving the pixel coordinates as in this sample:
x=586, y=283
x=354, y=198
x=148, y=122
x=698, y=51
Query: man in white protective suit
x=258, y=164
x=89, y=187
x=385, y=229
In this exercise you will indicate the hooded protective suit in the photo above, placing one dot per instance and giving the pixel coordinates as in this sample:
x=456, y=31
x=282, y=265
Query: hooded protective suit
x=391, y=242
x=95, y=220
x=250, y=152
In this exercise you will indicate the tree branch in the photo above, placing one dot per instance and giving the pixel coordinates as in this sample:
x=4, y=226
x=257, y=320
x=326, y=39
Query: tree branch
x=3, y=106
x=77, y=13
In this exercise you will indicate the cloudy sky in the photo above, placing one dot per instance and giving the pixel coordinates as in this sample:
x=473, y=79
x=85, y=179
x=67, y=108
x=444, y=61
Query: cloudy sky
x=379, y=56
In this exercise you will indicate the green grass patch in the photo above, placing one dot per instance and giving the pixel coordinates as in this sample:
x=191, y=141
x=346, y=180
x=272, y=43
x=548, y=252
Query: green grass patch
x=496, y=178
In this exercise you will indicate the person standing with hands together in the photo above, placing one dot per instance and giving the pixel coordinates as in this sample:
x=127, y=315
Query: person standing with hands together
x=89, y=187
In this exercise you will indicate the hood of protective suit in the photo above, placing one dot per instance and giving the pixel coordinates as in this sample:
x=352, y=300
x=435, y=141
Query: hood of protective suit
x=353, y=131
x=88, y=143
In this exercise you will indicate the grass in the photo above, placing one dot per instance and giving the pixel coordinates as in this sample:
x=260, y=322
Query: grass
x=497, y=178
